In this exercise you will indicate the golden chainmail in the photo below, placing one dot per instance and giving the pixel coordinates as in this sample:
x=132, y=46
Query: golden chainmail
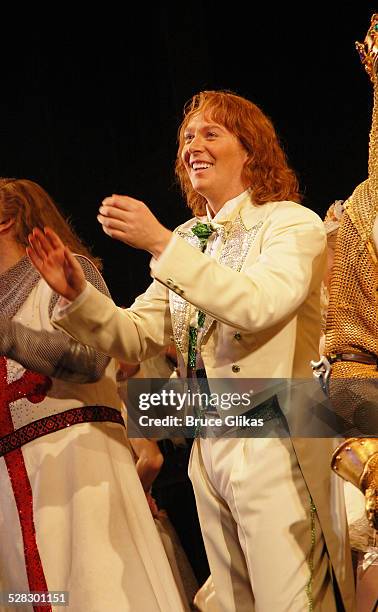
x=352, y=322
x=352, y=319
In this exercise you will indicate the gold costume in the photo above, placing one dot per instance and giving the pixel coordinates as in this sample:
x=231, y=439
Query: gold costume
x=352, y=320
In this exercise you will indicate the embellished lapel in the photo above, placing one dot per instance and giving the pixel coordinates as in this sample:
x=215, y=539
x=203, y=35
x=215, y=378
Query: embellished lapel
x=238, y=237
x=235, y=250
x=181, y=310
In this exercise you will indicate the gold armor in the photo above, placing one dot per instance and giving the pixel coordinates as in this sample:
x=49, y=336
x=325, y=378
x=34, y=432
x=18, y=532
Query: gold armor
x=352, y=319
x=356, y=460
x=352, y=322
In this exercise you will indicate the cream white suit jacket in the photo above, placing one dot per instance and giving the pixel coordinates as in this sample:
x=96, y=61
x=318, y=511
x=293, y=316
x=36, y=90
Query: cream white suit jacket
x=262, y=300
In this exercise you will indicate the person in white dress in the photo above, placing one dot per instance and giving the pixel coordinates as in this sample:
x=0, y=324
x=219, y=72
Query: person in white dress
x=73, y=514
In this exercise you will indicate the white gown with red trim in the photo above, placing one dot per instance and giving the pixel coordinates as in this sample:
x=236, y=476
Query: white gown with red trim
x=73, y=514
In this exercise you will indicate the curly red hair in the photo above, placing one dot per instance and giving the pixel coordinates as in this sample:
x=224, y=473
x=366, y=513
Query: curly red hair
x=266, y=171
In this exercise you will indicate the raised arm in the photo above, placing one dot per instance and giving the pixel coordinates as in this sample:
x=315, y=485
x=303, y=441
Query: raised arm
x=130, y=335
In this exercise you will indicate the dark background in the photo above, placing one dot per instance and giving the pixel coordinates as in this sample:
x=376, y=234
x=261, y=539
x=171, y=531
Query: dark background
x=90, y=106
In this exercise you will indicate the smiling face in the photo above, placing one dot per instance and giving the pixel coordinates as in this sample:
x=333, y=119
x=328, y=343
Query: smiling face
x=214, y=159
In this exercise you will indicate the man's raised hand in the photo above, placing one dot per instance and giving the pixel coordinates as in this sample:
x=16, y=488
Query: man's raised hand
x=132, y=222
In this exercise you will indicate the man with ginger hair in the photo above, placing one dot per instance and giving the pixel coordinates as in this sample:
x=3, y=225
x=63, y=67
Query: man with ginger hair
x=238, y=288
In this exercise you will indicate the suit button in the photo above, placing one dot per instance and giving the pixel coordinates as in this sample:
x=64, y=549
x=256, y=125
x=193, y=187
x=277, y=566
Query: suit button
x=235, y=368
x=237, y=336
x=170, y=282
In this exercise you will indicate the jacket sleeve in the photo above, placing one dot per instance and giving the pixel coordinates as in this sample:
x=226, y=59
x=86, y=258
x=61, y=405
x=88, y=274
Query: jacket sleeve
x=268, y=289
x=265, y=292
x=130, y=335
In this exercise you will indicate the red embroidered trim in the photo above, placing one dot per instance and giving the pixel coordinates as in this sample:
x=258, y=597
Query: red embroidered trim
x=23, y=496
x=10, y=447
x=34, y=387
x=55, y=422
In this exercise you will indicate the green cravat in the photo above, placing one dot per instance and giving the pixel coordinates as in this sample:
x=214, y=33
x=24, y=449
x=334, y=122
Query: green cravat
x=203, y=231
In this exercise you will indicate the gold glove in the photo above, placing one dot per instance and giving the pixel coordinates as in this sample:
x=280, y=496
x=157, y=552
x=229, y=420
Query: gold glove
x=356, y=460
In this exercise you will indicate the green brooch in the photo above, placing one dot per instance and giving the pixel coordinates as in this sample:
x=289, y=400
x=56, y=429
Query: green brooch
x=203, y=231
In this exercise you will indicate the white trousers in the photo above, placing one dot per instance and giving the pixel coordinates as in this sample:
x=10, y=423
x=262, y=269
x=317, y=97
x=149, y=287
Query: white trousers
x=264, y=545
